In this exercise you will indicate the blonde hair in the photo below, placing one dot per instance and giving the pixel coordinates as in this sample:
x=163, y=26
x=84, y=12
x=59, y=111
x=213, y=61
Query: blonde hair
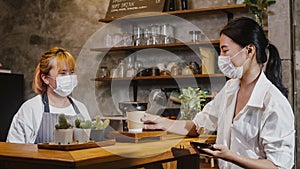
x=62, y=57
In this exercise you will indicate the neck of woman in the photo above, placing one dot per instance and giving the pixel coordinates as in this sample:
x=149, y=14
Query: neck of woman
x=250, y=77
x=57, y=101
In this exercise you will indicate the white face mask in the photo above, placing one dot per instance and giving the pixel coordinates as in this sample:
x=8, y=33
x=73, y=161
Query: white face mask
x=229, y=70
x=65, y=85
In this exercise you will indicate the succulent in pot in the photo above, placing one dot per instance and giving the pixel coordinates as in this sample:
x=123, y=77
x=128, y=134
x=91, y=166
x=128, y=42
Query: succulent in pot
x=97, y=129
x=63, y=133
x=82, y=130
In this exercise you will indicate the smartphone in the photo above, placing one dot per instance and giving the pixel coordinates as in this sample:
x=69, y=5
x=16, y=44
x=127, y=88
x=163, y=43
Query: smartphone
x=199, y=146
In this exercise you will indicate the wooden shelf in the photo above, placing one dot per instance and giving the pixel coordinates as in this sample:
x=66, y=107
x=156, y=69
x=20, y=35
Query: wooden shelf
x=160, y=77
x=162, y=46
x=226, y=9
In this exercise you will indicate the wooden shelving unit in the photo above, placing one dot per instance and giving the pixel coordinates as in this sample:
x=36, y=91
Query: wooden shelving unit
x=196, y=76
x=162, y=46
x=140, y=17
x=226, y=9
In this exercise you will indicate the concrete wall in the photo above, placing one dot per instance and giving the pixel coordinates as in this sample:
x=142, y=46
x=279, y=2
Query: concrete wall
x=296, y=26
x=30, y=27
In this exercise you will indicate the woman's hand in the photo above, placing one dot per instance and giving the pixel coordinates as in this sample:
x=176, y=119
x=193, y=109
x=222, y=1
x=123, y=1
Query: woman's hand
x=218, y=151
x=153, y=122
x=222, y=152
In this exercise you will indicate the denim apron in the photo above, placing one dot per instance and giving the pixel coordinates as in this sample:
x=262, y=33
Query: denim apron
x=47, y=126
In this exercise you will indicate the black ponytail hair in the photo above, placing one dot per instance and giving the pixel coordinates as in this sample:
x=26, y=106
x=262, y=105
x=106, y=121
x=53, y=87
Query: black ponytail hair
x=245, y=31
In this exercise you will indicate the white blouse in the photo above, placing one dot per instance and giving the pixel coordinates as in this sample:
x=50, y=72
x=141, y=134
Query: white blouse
x=264, y=128
x=26, y=122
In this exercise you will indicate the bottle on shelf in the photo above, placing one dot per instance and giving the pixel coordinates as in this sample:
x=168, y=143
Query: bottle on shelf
x=167, y=32
x=121, y=69
x=172, y=5
x=139, y=67
x=184, y=4
x=175, y=70
x=131, y=70
x=137, y=35
x=103, y=72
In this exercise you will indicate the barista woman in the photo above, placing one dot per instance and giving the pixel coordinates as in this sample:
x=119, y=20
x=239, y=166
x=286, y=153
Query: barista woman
x=53, y=82
x=253, y=119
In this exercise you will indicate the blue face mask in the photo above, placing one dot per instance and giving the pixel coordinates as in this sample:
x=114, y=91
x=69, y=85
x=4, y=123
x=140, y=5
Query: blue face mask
x=228, y=69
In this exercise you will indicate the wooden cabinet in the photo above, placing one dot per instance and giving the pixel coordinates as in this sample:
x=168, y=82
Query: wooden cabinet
x=11, y=98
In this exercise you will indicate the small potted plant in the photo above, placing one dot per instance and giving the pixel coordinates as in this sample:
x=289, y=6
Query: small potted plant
x=259, y=9
x=63, y=134
x=192, y=100
x=97, y=129
x=82, y=130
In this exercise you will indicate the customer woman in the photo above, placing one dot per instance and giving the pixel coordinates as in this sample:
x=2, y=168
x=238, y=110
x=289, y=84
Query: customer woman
x=53, y=82
x=253, y=119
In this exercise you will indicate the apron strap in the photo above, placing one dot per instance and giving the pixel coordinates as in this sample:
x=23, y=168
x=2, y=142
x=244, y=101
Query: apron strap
x=45, y=102
x=46, y=128
x=74, y=105
x=47, y=108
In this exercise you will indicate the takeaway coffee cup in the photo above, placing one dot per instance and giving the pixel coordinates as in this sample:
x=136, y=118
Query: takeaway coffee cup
x=135, y=125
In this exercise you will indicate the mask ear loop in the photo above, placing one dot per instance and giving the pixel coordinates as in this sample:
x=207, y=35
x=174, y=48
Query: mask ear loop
x=49, y=83
x=238, y=53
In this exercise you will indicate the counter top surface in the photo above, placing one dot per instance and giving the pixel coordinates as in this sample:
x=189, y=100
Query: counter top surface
x=120, y=155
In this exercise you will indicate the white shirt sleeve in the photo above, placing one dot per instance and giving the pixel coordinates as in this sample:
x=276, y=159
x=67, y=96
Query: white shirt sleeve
x=26, y=122
x=279, y=145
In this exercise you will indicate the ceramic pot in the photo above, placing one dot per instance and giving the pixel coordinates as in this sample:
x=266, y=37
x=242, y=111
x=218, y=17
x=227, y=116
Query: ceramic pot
x=63, y=136
x=81, y=135
x=97, y=135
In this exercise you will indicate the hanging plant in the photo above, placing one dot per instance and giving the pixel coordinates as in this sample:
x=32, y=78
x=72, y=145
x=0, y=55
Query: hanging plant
x=259, y=8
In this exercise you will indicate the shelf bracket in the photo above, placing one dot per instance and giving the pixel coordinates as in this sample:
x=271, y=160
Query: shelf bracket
x=229, y=15
x=135, y=90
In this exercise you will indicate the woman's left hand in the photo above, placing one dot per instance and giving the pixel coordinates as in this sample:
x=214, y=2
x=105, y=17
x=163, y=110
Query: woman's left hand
x=218, y=151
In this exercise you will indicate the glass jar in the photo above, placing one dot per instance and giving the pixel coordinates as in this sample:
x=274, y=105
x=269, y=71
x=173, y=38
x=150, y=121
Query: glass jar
x=196, y=36
x=131, y=71
x=167, y=32
x=231, y=2
x=187, y=70
x=113, y=73
x=137, y=35
x=108, y=39
x=121, y=70
x=175, y=70
x=103, y=72
x=127, y=39
x=139, y=67
x=117, y=39
x=156, y=34
x=147, y=36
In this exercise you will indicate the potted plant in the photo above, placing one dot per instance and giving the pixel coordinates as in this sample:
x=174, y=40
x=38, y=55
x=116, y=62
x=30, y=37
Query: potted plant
x=97, y=129
x=63, y=134
x=82, y=130
x=192, y=100
x=259, y=8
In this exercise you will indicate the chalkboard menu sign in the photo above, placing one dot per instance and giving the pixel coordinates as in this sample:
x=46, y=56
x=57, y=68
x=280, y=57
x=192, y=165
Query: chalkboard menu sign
x=120, y=8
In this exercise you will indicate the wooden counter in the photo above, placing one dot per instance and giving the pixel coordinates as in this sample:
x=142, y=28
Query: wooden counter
x=120, y=155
